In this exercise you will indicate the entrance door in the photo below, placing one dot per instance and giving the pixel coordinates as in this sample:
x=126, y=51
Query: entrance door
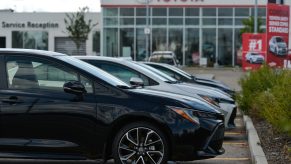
x=2, y=42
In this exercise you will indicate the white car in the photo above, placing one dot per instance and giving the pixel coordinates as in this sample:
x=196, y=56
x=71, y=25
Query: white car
x=167, y=57
x=278, y=46
x=255, y=58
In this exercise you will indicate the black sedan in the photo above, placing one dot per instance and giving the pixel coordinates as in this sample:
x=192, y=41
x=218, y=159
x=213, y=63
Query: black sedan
x=53, y=106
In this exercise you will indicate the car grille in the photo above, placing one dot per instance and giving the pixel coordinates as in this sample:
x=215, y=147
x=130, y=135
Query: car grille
x=217, y=139
x=260, y=60
x=232, y=116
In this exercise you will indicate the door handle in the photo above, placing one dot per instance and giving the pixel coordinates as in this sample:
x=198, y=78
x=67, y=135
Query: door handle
x=12, y=100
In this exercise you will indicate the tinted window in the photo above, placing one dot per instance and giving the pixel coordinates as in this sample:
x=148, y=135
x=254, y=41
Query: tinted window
x=169, y=72
x=124, y=73
x=34, y=73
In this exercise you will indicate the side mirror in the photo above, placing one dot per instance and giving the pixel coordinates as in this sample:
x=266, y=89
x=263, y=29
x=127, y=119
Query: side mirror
x=74, y=87
x=135, y=81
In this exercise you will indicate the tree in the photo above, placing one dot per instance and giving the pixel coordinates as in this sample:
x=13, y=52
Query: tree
x=249, y=25
x=77, y=27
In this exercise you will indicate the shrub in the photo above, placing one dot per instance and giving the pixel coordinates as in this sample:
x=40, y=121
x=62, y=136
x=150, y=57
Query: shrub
x=267, y=93
x=253, y=84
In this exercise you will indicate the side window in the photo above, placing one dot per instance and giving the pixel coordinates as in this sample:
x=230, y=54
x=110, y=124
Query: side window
x=166, y=71
x=124, y=73
x=33, y=73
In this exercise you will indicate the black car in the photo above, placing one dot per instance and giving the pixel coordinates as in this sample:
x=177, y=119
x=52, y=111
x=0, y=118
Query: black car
x=53, y=106
x=183, y=76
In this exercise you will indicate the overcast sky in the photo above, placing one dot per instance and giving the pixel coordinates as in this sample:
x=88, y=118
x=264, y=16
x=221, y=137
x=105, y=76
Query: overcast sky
x=49, y=5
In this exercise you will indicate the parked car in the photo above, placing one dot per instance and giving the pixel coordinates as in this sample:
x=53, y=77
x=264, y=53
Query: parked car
x=278, y=46
x=153, y=79
x=167, y=57
x=58, y=107
x=255, y=58
x=183, y=76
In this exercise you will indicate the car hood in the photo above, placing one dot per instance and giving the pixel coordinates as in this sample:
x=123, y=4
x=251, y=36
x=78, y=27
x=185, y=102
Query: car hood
x=282, y=45
x=195, y=103
x=258, y=57
x=204, y=90
x=212, y=82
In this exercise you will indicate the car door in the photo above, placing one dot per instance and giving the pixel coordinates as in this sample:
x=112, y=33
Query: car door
x=37, y=116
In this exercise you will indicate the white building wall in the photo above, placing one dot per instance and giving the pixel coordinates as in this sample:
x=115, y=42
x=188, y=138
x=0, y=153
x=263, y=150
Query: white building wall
x=58, y=18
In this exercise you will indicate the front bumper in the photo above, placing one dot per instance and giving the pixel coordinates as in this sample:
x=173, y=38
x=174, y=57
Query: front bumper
x=205, y=142
x=229, y=111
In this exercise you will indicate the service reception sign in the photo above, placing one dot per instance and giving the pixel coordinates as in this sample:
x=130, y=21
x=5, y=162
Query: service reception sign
x=254, y=51
x=277, y=34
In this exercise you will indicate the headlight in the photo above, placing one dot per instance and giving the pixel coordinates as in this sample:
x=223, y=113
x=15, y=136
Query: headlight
x=211, y=100
x=194, y=115
x=185, y=113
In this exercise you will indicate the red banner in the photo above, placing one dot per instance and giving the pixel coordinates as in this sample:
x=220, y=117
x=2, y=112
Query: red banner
x=254, y=51
x=277, y=34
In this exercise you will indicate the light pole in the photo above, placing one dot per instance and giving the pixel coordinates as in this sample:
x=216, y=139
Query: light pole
x=147, y=30
x=256, y=17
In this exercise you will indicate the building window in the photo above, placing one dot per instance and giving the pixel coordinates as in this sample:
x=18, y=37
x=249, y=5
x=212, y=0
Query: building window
x=242, y=12
x=30, y=40
x=110, y=12
x=127, y=12
x=111, y=42
x=209, y=45
x=192, y=46
x=176, y=12
x=126, y=42
x=159, y=11
x=96, y=42
x=225, y=46
x=176, y=42
x=192, y=12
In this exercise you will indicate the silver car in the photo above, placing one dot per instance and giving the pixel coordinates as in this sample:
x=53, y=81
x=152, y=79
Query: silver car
x=140, y=74
x=278, y=46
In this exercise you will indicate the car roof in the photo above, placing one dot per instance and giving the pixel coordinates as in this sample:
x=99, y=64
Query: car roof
x=104, y=58
x=30, y=51
x=125, y=62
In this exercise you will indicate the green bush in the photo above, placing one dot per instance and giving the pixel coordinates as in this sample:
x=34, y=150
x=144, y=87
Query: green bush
x=267, y=93
x=253, y=84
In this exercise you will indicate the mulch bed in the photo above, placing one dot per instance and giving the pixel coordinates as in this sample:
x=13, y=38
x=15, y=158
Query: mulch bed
x=275, y=145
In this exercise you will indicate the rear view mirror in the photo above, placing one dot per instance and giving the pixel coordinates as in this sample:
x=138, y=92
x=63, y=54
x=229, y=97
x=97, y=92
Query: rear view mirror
x=74, y=87
x=135, y=81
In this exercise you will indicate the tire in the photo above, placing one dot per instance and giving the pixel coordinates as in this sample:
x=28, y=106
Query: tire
x=150, y=146
x=251, y=60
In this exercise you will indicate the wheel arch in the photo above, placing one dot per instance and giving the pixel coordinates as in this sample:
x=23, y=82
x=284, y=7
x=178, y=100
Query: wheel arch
x=125, y=120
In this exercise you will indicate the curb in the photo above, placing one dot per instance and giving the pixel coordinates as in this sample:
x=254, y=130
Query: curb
x=257, y=154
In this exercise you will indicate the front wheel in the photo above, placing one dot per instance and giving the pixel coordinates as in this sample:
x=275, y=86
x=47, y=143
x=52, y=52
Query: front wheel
x=140, y=143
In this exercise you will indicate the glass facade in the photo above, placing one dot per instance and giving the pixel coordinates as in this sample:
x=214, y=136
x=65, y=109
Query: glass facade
x=191, y=33
x=30, y=40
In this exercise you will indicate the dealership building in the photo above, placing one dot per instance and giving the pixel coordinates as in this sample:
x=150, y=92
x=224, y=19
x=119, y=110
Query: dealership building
x=197, y=31
x=45, y=31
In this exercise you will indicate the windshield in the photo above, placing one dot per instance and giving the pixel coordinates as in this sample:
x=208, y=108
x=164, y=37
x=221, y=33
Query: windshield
x=162, y=59
x=180, y=71
x=94, y=71
x=167, y=77
x=279, y=39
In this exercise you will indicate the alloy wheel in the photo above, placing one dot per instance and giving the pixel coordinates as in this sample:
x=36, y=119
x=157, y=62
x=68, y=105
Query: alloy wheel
x=141, y=146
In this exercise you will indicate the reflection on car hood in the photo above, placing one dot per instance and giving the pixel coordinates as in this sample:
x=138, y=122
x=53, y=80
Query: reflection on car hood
x=193, y=102
x=213, y=82
x=203, y=90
